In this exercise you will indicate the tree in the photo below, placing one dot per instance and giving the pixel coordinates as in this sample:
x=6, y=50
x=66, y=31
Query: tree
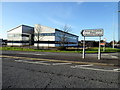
x=102, y=41
x=111, y=42
x=63, y=37
x=38, y=35
x=118, y=42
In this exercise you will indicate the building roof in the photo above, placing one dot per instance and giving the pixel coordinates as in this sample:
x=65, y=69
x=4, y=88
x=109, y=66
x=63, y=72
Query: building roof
x=19, y=26
x=66, y=32
x=41, y=25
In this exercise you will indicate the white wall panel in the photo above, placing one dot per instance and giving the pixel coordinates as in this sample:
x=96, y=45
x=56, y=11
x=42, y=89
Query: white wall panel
x=45, y=29
x=45, y=45
x=14, y=44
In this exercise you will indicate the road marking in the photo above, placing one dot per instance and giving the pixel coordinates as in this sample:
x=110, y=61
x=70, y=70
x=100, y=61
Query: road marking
x=78, y=66
x=116, y=69
x=32, y=53
x=60, y=63
x=95, y=69
x=39, y=54
x=42, y=62
x=114, y=56
x=28, y=61
x=51, y=60
x=38, y=62
x=105, y=54
x=86, y=65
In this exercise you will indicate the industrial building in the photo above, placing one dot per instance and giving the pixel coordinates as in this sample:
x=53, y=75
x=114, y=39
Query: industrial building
x=41, y=36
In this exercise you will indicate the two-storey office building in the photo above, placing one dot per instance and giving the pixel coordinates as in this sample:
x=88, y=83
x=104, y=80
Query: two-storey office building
x=50, y=37
x=21, y=35
x=40, y=35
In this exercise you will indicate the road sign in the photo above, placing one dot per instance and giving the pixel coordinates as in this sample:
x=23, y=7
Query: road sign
x=92, y=32
x=102, y=43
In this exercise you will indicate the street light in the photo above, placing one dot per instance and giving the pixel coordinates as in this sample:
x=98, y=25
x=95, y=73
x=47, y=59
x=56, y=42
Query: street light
x=114, y=31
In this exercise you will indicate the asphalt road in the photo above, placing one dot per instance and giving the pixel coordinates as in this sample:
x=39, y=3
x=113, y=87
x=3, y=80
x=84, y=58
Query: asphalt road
x=37, y=70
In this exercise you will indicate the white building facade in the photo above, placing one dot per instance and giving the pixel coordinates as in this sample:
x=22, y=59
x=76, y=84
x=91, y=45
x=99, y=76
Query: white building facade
x=51, y=37
x=41, y=36
x=21, y=35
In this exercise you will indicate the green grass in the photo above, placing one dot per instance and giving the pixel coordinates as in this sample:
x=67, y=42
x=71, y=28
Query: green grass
x=91, y=50
x=28, y=49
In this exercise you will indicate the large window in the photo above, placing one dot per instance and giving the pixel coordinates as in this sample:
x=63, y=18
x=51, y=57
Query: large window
x=14, y=35
x=66, y=35
x=45, y=34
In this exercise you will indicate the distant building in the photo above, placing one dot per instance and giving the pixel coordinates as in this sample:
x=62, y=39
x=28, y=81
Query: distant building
x=48, y=37
x=89, y=43
x=21, y=35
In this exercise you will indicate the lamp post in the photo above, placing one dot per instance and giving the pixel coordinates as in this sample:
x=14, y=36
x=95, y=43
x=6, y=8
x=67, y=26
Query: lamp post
x=114, y=32
x=113, y=43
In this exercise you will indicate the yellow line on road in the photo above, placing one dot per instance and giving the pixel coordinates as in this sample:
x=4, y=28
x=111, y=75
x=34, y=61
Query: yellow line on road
x=51, y=60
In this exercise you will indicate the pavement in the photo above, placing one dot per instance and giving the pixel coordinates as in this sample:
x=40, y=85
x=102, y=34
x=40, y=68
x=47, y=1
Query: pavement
x=110, y=59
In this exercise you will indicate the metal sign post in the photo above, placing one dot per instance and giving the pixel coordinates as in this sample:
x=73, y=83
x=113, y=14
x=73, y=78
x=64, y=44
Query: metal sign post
x=92, y=33
x=83, y=48
x=99, y=53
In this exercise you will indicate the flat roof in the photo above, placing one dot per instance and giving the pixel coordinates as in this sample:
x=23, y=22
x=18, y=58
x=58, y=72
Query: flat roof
x=67, y=32
x=44, y=26
x=19, y=26
x=47, y=26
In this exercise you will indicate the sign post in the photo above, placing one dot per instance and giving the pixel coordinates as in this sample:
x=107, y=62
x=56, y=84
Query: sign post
x=92, y=33
x=99, y=53
x=83, y=48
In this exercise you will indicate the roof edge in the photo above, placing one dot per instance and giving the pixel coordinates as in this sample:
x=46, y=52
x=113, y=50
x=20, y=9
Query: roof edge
x=66, y=32
x=19, y=26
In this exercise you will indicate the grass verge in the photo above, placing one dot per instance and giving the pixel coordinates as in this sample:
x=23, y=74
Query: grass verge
x=91, y=50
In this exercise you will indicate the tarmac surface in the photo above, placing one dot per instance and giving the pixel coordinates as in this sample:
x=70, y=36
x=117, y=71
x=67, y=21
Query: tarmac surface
x=59, y=70
x=106, y=58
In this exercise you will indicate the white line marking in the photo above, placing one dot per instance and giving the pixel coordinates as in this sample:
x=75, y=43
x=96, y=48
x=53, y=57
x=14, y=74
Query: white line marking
x=32, y=53
x=86, y=65
x=39, y=62
x=60, y=63
x=39, y=54
x=116, y=69
x=114, y=56
x=105, y=54
x=94, y=69
x=78, y=66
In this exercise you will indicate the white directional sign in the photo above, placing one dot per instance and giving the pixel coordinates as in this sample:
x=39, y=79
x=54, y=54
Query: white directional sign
x=92, y=32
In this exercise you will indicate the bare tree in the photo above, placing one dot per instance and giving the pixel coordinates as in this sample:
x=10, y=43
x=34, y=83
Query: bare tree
x=38, y=35
x=63, y=37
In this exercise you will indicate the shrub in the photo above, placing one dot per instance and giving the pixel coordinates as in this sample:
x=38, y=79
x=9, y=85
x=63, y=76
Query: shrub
x=61, y=48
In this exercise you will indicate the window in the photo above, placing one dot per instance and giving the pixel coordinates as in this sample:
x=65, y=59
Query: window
x=45, y=34
x=14, y=35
